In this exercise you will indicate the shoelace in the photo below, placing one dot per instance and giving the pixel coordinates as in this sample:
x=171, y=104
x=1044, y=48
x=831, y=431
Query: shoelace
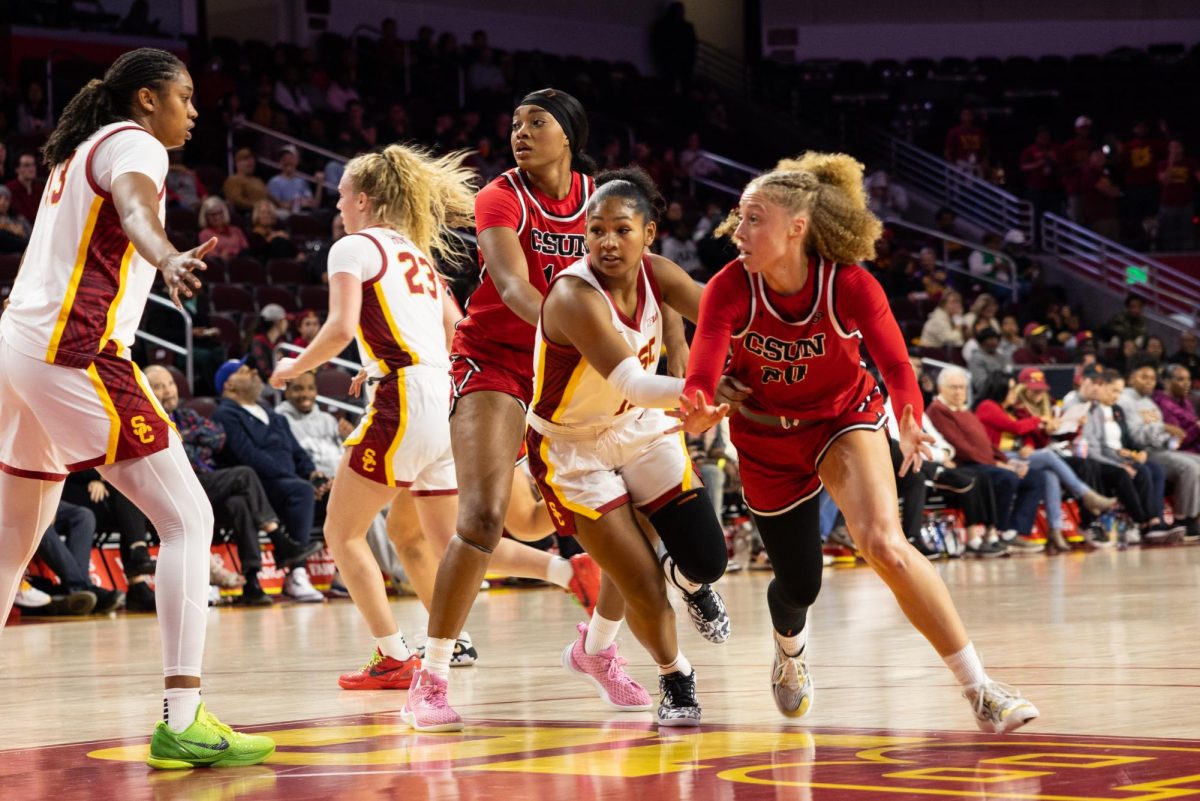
x=435, y=696
x=680, y=692
x=999, y=694
x=787, y=672
x=705, y=601
x=616, y=670
x=211, y=720
x=375, y=659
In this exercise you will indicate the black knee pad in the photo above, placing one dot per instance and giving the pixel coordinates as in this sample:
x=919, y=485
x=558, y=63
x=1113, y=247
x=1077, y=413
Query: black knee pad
x=692, y=534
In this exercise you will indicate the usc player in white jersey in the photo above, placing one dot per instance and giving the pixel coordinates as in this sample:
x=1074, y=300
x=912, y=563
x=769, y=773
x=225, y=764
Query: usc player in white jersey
x=71, y=399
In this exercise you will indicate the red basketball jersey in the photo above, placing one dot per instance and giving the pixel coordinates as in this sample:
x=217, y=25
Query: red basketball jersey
x=551, y=234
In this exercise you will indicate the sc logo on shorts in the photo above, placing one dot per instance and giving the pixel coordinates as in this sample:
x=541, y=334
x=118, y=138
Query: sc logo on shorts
x=368, y=460
x=143, y=432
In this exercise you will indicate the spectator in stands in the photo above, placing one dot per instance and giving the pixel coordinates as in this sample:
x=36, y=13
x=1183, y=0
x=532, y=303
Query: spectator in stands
x=184, y=189
x=267, y=239
x=272, y=328
x=924, y=380
x=967, y=144
x=1016, y=488
x=945, y=220
x=945, y=326
x=884, y=197
x=1178, y=176
x=1014, y=437
x=215, y=222
x=34, y=115
x=1175, y=402
x=708, y=452
x=1149, y=432
x=1142, y=485
x=1037, y=349
x=288, y=189
x=244, y=189
x=3, y=163
x=308, y=323
x=1129, y=324
x=1155, y=348
x=26, y=188
x=1140, y=157
x=1043, y=178
x=984, y=308
x=1075, y=154
x=341, y=92
x=1010, y=336
x=1188, y=354
x=484, y=75
x=692, y=161
x=236, y=494
x=289, y=97
x=71, y=561
x=986, y=359
x=14, y=229
x=257, y=437
x=984, y=264
x=1100, y=196
x=679, y=247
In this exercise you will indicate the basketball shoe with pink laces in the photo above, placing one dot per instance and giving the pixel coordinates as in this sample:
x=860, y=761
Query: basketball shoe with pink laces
x=426, y=708
x=606, y=671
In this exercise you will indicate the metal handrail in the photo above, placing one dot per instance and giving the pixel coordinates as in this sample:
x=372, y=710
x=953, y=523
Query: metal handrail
x=957, y=188
x=185, y=349
x=300, y=144
x=729, y=165
x=1010, y=287
x=325, y=400
x=1167, y=291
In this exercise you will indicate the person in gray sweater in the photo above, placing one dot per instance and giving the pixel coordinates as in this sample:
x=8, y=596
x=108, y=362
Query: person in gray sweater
x=986, y=359
x=1160, y=440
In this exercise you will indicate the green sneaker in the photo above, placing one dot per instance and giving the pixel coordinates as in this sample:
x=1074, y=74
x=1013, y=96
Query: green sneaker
x=206, y=743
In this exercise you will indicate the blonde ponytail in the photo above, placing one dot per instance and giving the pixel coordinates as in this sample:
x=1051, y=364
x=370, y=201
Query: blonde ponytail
x=419, y=195
x=828, y=189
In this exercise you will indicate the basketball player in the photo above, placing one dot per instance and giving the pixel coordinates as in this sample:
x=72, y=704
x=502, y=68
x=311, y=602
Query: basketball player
x=796, y=308
x=70, y=398
x=598, y=442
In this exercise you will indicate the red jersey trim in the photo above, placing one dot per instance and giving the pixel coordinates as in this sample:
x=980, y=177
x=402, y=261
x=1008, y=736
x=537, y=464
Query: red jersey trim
x=585, y=193
x=87, y=171
x=818, y=291
x=648, y=267
x=370, y=282
x=19, y=473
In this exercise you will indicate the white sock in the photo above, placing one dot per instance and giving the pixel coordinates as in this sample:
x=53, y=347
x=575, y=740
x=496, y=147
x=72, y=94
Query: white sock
x=394, y=646
x=600, y=634
x=437, y=656
x=678, y=665
x=560, y=572
x=672, y=572
x=179, y=707
x=793, y=644
x=967, y=667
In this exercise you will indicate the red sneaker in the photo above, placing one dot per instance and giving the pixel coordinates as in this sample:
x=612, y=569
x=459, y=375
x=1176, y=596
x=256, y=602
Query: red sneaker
x=585, y=584
x=382, y=673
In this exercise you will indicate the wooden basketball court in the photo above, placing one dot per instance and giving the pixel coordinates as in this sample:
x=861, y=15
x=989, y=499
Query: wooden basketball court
x=1106, y=645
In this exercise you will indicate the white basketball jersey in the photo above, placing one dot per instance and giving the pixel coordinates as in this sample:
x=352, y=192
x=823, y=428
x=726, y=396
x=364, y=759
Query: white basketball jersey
x=567, y=390
x=82, y=287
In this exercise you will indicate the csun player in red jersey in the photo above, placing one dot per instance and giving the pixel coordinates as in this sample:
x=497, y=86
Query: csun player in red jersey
x=795, y=309
x=71, y=399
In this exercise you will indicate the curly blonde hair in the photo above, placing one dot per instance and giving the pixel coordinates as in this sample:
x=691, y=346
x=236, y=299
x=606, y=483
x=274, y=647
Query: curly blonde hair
x=827, y=188
x=419, y=195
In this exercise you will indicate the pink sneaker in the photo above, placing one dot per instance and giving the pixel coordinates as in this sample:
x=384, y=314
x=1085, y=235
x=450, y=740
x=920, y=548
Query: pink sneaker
x=606, y=670
x=426, y=708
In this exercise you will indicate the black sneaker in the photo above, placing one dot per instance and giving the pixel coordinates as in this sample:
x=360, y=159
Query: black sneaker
x=106, y=600
x=78, y=602
x=140, y=598
x=706, y=608
x=677, y=706
x=252, y=594
x=289, y=553
x=140, y=563
x=985, y=550
x=1163, y=534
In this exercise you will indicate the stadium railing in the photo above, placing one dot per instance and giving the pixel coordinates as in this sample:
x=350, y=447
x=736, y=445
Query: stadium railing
x=185, y=349
x=1009, y=287
x=267, y=147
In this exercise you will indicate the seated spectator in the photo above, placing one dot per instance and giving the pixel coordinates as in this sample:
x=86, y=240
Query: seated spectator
x=34, y=115
x=184, y=189
x=692, y=161
x=356, y=133
x=257, y=437
x=237, y=496
x=111, y=511
x=1142, y=487
x=272, y=329
x=1154, y=348
x=983, y=264
x=14, y=229
x=1148, y=432
x=1016, y=488
x=1129, y=324
x=288, y=189
x=340, y=92
x=26, y=188
x=318, y=432
x=308, y=324
x=267, y=239
x=932, y=275
x=1187, y=355
x=1010, y=336
x=1013, y=437
x=983, y=309
x=1073, y=158
x=71, y=561
x=1175, y=403
x=945, y=326
x=244, y=189
x=214, y=222
x=986, y=359
x=884, y=197
x=945, y=220
x=681, y=249
x=967, y=144
x=1037, y=349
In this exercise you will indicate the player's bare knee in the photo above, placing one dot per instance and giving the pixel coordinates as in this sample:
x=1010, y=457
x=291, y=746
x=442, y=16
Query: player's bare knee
x=883, y=547
x=483, y=525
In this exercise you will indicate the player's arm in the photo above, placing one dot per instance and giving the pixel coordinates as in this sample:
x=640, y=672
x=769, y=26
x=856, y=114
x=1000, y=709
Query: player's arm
x=679, y=290
x=135, y=197
x=576, y=314
x=725, y=297
x=345, y=305
x=506, y=265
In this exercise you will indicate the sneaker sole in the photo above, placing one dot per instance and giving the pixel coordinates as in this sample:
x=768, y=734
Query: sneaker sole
x=411, y=720
x=679, y=723
x=800, y=711
x=374, y=685
x=604, y=696
x=1014, y=722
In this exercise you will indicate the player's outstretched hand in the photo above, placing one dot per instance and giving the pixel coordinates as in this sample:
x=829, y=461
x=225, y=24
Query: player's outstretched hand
x=914, y=443
x=179, y=269
x=285, y=370
x=696, y=415
x=357, y=382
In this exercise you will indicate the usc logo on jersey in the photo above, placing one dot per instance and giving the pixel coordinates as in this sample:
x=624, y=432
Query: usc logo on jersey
x=368, y=460
x=144, y=433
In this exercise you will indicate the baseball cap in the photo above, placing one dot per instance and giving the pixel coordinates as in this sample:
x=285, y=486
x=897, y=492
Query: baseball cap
x=1033, y=378
x=1083, y=121
x=1083, y=336
x=273, y=313
x=227, y=369
x=289, y=149
x=1035, y=329
x=1014, y=237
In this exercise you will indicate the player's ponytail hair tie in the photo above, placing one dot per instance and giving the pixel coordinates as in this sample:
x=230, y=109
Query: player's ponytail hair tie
x=568, y=112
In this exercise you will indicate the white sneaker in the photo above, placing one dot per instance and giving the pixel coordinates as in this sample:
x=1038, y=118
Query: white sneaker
x=999, y=708
x=30, y=596
x=791, y=685
x=299, y=588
